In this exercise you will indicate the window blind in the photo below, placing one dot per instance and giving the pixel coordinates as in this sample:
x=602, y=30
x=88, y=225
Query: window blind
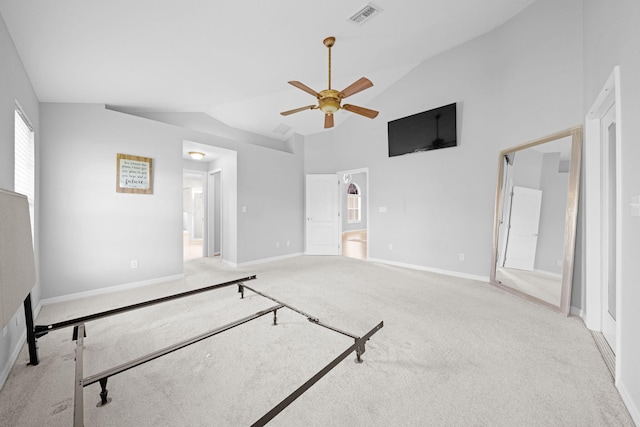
x=24, y=160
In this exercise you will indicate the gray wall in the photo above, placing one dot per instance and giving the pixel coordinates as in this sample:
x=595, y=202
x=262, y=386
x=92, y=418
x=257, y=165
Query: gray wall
x=612, y=38
x=527, y=169
x=554, y=186
x=90, y=232
x=15, y=86
x=513, y=85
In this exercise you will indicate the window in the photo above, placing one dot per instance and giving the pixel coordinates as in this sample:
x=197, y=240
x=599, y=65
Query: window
x=353, y=203
x=24, y=160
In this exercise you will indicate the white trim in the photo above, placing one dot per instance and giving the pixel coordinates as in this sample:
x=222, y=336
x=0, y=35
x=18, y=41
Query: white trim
x=205, y=206
x=628, y=401
x=208, y=178
x=266, y=260
x=577, y=312
x=608, y=96
x=432, y=270
x=111, y=289
x=13, y=357
x=229, y=263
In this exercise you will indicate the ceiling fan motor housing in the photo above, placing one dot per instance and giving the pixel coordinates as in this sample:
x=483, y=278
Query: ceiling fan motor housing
x=329, y=101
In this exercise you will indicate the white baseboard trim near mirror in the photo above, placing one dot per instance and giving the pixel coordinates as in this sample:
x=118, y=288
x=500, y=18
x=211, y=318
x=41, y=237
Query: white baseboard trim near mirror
x=432, y=270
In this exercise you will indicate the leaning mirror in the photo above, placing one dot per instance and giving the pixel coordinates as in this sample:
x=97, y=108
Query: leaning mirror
x=535, y=219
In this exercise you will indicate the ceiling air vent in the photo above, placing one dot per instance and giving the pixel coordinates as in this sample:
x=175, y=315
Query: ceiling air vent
x=365, y=14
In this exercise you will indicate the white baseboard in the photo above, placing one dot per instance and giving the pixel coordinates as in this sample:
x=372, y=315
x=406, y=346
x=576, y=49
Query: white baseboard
x=577, y=312
x=265, y=260
x=432, y=270
x=632, y=406
x=6, y=369
x=111, y=289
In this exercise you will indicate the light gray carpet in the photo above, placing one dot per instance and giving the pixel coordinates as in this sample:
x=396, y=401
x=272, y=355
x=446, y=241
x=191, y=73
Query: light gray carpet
x=453, y=352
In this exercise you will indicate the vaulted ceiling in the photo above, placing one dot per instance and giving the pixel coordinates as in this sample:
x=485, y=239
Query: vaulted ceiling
x=232, y=59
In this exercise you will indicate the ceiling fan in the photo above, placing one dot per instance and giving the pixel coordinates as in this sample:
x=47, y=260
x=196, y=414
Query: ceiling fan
x=329, y=99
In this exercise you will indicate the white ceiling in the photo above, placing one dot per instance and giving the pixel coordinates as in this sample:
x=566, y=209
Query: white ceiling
x=232, y=59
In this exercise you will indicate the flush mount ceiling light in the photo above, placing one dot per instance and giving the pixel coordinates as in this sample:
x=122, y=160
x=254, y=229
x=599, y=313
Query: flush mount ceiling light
x=196, y=155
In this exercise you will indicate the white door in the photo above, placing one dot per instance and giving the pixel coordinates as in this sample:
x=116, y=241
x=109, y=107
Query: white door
x=523, y=228
x=322, y=215
x=609, y=227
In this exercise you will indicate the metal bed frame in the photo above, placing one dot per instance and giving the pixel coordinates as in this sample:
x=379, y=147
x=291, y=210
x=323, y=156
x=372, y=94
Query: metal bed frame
x=79, y=333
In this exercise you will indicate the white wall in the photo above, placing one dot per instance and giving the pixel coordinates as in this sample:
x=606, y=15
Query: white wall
x=518, y=83
x=15, y=86
x=90, y=232
x=612, y=37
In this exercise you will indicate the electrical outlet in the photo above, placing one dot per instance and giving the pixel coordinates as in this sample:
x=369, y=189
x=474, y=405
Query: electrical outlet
x=288, y=242
x=277, y=244
x=134, y=263
x=461, y=256
x=390, y=246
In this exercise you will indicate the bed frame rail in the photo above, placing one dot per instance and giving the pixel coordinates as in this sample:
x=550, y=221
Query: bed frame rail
x=79, y=333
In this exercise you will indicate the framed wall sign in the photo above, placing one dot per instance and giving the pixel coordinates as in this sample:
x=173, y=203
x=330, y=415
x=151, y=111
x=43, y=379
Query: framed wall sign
x=134, y=174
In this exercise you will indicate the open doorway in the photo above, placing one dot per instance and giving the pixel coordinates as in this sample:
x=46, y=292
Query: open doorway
x=214, y=207
x=193, y=215
x=354, y=203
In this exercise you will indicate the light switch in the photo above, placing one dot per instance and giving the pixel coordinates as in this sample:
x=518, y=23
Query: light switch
x=382, y=209
x=635, y=206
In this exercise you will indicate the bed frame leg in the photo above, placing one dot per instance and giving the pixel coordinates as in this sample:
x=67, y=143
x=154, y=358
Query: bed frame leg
x=31, y=335
x=74, y=336
x=241, y=290
x=104, y=393
x=359, y=352
x=275, y=317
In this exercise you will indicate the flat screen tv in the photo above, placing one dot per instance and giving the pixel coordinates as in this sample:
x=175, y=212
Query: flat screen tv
x=424, y=131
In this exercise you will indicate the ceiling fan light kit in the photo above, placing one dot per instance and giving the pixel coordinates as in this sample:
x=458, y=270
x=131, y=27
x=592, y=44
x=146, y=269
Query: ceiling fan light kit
x=329, y=100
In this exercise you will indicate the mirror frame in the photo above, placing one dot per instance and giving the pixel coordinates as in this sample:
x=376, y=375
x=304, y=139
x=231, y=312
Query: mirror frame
x=570, y=219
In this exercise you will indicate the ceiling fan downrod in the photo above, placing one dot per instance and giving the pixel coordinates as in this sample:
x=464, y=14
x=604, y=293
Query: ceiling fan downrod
x=329, y=42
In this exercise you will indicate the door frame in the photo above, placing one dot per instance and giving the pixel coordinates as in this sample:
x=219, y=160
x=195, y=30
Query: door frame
x=594, y=232
x=205, y=231
x=212, y=213
x=341, y=200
